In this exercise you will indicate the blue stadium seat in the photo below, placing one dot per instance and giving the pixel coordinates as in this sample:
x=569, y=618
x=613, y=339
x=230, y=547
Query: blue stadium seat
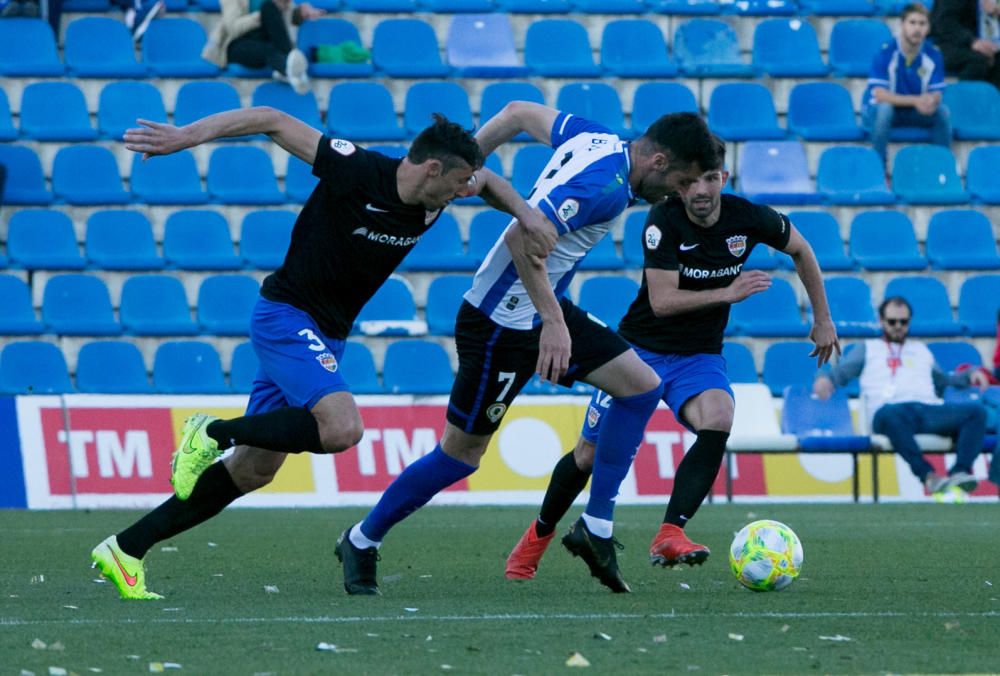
x=926, y=174
x=381, y=6
x=122, y=103
x=980, y=174
x=608, y=297
x=98, y=46
x=196, y=100
x=111, y=367
x=740, y=366
x=822, y=231
x=444, y=297
x=496, y=95
x=417, y=367
x=362, y=111
x=121, y=240
x=762, y=258
x=528, y=164
x=597, y=101
x=482, y=46
x=709, y=48
x=743, y=111
x=155, y=305
x=425, y=98
x=787, y=48
x=390, y=312
x=774, y=312
x=225, y=303
x=243, y=369
x=281, y=96
x=533, y=6
x=949, y=355
x=961, y=240
x=838, y=7
x=456, y=6
x=28, y=49
x=686, y=7
x=196, y=239
x=188, y=367
x=299, y=180
x=78, y=305
x=822, y=111
x=25, y=183
x=167, y=179
x=885, y=240
x=852, y=175
x=358, y=367
x=603, y=256
x=242, y=175
x=635, y=48
x=975, y=110
x=87, y=175
x=610, y=6
x=788, y=364
x=439, y=248
x=776, y=172
x=331, y=32
x=633, y=252
x=485, y=229
x=7, y=130
x=393, y=150
x=17, y=315
x=559, y=48
x=264, y=238
x=764, y=8
x=653, y=99
x=931, y=308
x=407, y=48
x=33, y=367
x=172, y=48
x=979, y=305
x=821, y=425
x=55, y=111
x=850, y=301
x=854, y=43
x=42, y=239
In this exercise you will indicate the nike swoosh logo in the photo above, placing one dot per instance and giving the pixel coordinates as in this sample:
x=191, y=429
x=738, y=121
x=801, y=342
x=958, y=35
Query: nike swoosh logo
x=688, y=247
x=372, y=207
x=130, y=580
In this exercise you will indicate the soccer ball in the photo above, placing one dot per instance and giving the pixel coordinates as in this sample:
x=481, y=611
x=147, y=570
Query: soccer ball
x=766, y=555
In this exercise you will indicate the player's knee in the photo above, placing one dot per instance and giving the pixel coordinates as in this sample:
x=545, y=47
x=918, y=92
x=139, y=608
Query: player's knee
x=342, y=437
x=719, y=421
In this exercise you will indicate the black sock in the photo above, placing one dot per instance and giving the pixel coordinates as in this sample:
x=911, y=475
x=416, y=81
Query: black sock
x=286, y=430
x=695, y=476
x=215, y=489
x=566, y=483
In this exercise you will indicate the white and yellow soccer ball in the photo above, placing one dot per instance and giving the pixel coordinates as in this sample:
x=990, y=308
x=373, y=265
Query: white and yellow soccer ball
x=766, y=555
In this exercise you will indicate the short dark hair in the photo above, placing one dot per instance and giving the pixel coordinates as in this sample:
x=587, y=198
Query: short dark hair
x=687, y=139
x=448, y=142
x=894, y=300
x=914, y=8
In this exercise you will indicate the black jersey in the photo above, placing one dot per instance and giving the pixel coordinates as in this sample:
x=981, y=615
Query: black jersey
x=705, y=258
x=353, y=231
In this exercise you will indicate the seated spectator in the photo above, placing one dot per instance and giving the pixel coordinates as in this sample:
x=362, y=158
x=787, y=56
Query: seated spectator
x=900, y=384
x=905, y=84
x=258, y=34
x=967, y=33
x=139, y=14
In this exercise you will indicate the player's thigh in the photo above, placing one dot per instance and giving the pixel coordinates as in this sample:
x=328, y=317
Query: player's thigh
x=624, y=376
x=710, y=410
x=698, y=387
x=339, y=421
x=251, y=468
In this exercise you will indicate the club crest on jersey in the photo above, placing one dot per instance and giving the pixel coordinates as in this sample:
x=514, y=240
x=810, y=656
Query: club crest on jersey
x=653, y=236
x=568, y=209
x=593, y=416
x=496, y=411
x=327, y=361
x=737, y=244
x=343, y=147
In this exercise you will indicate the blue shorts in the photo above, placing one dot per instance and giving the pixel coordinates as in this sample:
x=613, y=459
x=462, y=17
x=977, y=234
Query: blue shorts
x=298, y=364
x=684, y=376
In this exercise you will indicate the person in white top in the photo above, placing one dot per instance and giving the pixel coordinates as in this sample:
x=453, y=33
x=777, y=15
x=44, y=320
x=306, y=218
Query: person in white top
x=900, y=383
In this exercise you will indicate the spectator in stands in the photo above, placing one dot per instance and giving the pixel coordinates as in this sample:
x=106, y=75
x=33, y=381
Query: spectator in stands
x=140, y=13
x=905, y=84
x=968, y=34
x=258, y=34
x=19, y=8
x=900, y=383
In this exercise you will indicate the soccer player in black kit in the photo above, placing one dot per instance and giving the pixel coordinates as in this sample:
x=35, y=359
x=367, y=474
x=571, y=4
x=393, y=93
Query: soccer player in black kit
x=695, y=246
x=364, y=216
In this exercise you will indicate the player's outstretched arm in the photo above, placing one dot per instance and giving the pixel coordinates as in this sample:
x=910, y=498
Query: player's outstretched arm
x=823, y=333
x=500, y=194
x=517, y=116
x=666, y=298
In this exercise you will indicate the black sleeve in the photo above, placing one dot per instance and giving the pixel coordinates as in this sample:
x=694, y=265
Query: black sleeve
x=341, y=164
x=773, y=228
x=659, y=241
x=949, y=23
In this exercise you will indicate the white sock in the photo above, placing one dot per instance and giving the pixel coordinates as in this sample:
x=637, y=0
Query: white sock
x=359, y=540
x=602, y=528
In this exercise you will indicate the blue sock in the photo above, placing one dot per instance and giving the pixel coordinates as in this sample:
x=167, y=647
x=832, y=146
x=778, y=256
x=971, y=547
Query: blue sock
x=411, y=490
x=617, y=443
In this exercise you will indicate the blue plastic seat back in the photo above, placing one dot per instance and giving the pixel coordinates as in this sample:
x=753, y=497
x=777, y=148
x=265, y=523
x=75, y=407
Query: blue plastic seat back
x=852, y=175
x=87, y=175
x=40, y=238
x=602, y=256
x=595, y=101
x=928, y=297
x=980, y=174
x=155, y=305
x=196, y=239
x=496, y=95
x=482, y=45
x=979, y=305
x=122, y=103
x=807, y=416
x=393, y=301
x=265, y=236
x=362, y=111
x=927, y=174
x=528, y=165
x=299, y=180
x=78, y=305
x=444, y=297
x=822, y=111
x=974, y=109
x=188, y=368
x=167, y=179
x=425, y=98
x=7, y=130
x=633, y=252
x=654, y=99
x=854, y=44
x=242, y=175
x=327, y=31
x=885, y=240
x=416, y=367
x=961, y=239
x=774, y=312
x=787, y=48
x=743, y=111
x=279, y=95
x=484, y=231
x=243, y=368
x=97, y=46
x=225, y=304
x=17, y=314
x=25, y=182
x=635, y=48
x=850, y=300
x=358, y=366
x=407, y=48
x=196, y=100
x=776, y=172
x=380, y=6
x=740, y=366
x=709, y=48
x=55, y=111
x=121, y=240
x=949, y=355
x=788, y=363
x=28, y=48
x=172, y=48
x=111, y=367
x=822, y=231
x=608, y=297
x=439, y=248
x=33, y=367
x=559, y=48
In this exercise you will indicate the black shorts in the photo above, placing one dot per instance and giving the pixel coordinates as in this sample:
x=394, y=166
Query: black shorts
x=494, y=362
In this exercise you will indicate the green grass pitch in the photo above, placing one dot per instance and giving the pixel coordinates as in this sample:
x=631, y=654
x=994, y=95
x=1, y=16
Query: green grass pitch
x=884, y=588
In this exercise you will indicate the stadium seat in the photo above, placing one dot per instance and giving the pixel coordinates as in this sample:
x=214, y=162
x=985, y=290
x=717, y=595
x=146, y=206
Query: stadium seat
x=608, y=297
x=155, y=305
x=686, y=7
x=926, y=174
x=55, y=111
x=444, y=297
x=439, y=248
x=42, y=239
x=363, y=111
x=17, y=315
x=225, y=303
x=121, y=240
x=98, y=46
x=7, y=130
x=708, y=48
x=852, y=175
x=358, y=367
x=533, y=6
x=264, y=238
x=331, y=32
x=391, y=312
x=188, y=367
x=281, y=96
x=761, y=258
x=299, y=180
x=961, y=240
x=25, y=183
x=381, y=6
x=196, y=100
x=821, y=425
x=485, y=229
x=496, y=95
x=482, y=46
x=172, y=48
x=776, y=172
x=980, y=174
x=854, y=44
x=740, y=366
x=407, y=48
x=974, y=109
x=242, y=175
x=931, y=308
x=528, y=164
x=78, y=305
x=595, y=101
x=838, y=7
x=653, y=99
x=416, y=367
x=122, y=103
x=774, y=312
x=822, y=231
x=787, y=48
x=111, y=367
x=28, y=49
x=559, y=48
x=822, y=111
x=243, y=369
x=635, y=48
x=392, y=150
x=788, y=364
x=87, y=175
x=167, y=179
x=425, y=98
x=885, y=240
x=951, y=354
x=979, y=305
x=850, y=300
x=610, y=6
x=743, y=111
x=33, y=367
x=603, y=256
x=195, y=239
x=633, y=252
x=764, y=8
